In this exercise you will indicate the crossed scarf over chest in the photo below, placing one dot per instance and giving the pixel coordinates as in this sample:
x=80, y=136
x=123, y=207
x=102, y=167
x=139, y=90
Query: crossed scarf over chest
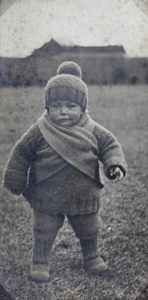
x=74, y=145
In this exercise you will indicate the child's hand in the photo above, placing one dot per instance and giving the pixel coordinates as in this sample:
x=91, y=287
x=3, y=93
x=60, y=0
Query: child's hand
x=116, y=174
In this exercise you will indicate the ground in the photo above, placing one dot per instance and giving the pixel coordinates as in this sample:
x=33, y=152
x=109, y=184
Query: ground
x=123, y=240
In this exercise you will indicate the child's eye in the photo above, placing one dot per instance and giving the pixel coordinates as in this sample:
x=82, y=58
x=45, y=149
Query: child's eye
x=55, y=105
x=71, y=105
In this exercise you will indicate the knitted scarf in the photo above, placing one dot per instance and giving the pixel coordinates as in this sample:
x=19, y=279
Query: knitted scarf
x=76, y=144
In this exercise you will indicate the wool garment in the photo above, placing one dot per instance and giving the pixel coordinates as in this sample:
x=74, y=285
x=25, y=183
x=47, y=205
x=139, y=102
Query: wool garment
x=76, y=145
x=66, y=86
x=68, y=190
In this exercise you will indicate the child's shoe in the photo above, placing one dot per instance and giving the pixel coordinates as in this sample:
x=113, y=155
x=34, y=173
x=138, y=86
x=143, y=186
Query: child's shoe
x=96, y=265
x=92, y=261
x=39, y=272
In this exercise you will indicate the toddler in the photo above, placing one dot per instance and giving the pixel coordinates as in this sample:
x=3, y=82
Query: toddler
x=55, y=165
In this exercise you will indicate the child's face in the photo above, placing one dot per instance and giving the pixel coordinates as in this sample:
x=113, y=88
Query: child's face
x=64, y=113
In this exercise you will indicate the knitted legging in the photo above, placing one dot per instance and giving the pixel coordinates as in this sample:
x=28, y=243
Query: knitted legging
x=46, y=226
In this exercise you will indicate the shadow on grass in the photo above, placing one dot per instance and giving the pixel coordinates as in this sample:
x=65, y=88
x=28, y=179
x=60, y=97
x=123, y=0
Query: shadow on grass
x=4, y=295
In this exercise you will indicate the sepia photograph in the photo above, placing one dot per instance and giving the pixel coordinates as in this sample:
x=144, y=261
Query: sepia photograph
x=74, y=149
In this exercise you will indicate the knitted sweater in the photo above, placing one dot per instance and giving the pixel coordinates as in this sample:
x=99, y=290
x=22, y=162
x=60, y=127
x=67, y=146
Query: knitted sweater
x=51, y=183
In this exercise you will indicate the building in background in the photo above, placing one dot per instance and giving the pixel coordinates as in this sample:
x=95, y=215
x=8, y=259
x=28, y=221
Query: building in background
x=100, y=65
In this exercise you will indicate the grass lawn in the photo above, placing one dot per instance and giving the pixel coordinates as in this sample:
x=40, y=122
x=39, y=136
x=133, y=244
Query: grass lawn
x=123, y=238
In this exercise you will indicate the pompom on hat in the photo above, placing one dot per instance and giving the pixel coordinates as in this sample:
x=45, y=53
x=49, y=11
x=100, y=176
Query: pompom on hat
x=67, y=85
x=69, y=67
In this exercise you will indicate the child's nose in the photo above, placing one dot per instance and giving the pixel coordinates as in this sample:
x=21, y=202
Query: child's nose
x=63, y=110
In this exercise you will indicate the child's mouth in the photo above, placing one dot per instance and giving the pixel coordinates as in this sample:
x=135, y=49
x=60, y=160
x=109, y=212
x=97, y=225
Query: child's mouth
x=64, y=120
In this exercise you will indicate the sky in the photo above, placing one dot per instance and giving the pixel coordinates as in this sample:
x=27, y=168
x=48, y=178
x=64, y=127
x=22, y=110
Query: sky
x=28, y=24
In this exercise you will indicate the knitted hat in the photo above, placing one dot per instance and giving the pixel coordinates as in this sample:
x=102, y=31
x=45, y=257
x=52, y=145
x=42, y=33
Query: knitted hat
x=67, y=85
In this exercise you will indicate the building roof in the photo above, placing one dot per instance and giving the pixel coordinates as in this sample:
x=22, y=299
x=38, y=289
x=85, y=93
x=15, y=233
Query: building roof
x=52, y=47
